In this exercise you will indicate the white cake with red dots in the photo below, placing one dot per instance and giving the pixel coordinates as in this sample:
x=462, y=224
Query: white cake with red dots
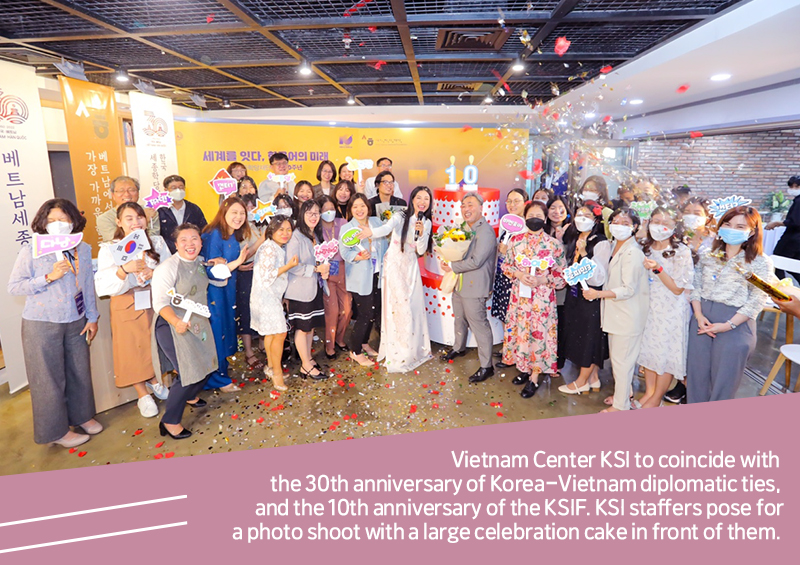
x=438, y=305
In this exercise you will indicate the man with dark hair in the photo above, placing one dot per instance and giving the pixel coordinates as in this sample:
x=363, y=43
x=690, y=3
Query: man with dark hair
x=789, y=243
x=269, y=189
x=179, y=212
x=123, y=189
x=682, y=195
x=384, y=165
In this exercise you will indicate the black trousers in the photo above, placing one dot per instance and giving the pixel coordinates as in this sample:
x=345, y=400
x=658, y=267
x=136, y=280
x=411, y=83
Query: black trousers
x=367, y=308
x=178, y=394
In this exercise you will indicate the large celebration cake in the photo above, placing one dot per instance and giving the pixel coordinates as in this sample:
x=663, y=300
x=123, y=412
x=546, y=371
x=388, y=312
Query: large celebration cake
x=438, y=305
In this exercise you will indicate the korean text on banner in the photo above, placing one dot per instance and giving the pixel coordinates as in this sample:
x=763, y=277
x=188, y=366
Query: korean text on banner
x=25, y=184
x=95, y=148
x=154, y=135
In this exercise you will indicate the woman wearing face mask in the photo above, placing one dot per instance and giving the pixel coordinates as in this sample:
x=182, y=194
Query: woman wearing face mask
x=179, y=212
x=626, y=301
x=58, y=322
x=543, y=195
x=363, y=265
x=285, y=206
x=270, y=280
x=343, y=192
x=595, y=189
x=338, y=304
x=789, y=243
x=663, y=350
x=404, y=330
x=722, y=335
x=306, y=308
x=131, y=323
x=698, y=226
x=189, y=345
x=531, y=334
x=515, y=204
x=347, y=174
x=326, y=175
x=244, y=276
x=222, y=240
x=582, y=341
x=303, y=192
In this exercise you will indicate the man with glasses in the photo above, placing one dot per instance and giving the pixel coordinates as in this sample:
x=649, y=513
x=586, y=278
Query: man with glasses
x=124, y=189
x=385, y=197
x=269, y=189
x=371, y=186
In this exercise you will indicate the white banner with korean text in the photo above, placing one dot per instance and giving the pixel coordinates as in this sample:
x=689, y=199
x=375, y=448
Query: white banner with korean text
x=25, y=184
x=154, y=136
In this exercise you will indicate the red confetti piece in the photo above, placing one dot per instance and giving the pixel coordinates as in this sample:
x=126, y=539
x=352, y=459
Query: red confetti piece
x=346, y=417
x=412, y=409
x=259, y=420
x=159, y=444
x=500, y=414
x=493, y=404
x=137, y=432
x=434, y=392
x=450, y=361
x=545, y=110
x=447, y=370
x=369, y=374
x=234, y=416
x=351, y=385
x=372, y=29
x=158, y=456
x=209, y=18
x=361, y=45
x=170, y=454
x=500, y=404
x=442, y=383
x=416, y=372
x=562, y=44
x=424, y=386
x=376, y=65
x=332, y=428
x=340, y=382
x=606, y=119
x=354, y=416
x=607, y=69
x=388, y=385
x=695, y=134
x=81, y=454
x=459, y=402
x=683, y=88
x=349, y=437
x=499, y=134
x=466, y=128
x=72, y=450
x=435, y=405
x=556, y=115
x=500, y=78
x=361, y=423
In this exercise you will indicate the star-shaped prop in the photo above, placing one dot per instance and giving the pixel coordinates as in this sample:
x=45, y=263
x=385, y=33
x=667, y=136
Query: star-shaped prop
x=263, y=209
x=157, y=199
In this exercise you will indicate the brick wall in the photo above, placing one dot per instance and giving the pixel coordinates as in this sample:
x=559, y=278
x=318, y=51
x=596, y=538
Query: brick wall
x=748, y=164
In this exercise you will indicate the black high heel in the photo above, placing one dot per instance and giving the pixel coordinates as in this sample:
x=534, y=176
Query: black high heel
x=164, y=432
x=318, y=377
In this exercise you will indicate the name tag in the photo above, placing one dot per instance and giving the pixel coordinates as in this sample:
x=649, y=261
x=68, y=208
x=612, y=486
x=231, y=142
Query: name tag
x=141, y=300
x=79, y=303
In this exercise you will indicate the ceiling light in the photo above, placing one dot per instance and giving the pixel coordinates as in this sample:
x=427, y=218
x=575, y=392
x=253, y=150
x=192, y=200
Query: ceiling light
x=122, y=76
x=591, y=115
x=488, y=99
x=720, y=77
x=351, y=100
x=518, y=67
x=305, y=68
x=226, y=103
x=331, y=123
x=636, y=101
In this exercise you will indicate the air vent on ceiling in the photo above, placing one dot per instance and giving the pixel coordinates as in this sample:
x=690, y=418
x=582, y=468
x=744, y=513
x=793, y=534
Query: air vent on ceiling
x=458, y=86
x=472, y=39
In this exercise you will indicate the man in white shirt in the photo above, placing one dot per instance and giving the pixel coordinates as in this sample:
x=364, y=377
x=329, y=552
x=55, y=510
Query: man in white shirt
x=384, y=164
x=123, y=189
x=269, y=189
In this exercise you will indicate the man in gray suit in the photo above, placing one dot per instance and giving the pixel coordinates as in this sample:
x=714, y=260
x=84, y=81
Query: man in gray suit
x=476, y=270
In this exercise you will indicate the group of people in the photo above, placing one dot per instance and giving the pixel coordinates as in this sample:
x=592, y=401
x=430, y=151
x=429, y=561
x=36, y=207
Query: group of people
x=664, y=291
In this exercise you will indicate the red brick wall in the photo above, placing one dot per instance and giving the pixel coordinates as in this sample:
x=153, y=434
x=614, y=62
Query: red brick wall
x=748, y=164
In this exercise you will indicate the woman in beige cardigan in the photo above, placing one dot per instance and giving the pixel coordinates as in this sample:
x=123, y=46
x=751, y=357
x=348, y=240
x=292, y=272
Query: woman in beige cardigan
x=626, y=295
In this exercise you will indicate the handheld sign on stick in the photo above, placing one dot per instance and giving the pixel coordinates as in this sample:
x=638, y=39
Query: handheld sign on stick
x=129, y=248
x=542, y=264
x=512, y=224
x=358, y=165
x=223, y=183
x=579, y=273
x=351, y=238
x=281, y=179
x=47, y=243
x=190, y=306
x=719, y=206
x=157, y=200
x=263, y=210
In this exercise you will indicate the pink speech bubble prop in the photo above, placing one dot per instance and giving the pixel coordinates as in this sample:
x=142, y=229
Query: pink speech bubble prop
x=46, y=243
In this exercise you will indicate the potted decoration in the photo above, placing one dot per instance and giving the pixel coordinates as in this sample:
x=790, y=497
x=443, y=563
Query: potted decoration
x=777, y=205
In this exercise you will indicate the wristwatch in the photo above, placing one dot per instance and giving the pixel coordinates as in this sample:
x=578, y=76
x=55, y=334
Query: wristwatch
x=732, y=325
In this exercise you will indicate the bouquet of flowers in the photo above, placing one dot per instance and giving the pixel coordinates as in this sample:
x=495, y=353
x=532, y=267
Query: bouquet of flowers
x=451, y=245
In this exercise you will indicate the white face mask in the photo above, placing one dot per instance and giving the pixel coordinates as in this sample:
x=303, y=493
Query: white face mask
x=590, y=196
x=693, y=221
x=620, y=232
x=584, y=224
x=177, y=195
x=59, y=228
x=660, y=233
x=328, y=216
x=793, y=192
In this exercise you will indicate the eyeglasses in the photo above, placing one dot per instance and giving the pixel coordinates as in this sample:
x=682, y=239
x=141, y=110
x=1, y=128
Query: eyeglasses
x=387, y=182
x=133, y=190
x=312, y=214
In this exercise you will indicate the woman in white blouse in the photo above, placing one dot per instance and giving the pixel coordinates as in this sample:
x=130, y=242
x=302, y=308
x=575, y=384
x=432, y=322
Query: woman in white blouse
x=128, y=285
x=722, y=335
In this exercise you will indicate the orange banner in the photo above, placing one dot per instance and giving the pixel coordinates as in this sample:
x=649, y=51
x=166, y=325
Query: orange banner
x=95, y=148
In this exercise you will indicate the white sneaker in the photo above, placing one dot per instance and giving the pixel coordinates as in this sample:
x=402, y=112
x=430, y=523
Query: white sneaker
x=147, y=406
x=159, y=390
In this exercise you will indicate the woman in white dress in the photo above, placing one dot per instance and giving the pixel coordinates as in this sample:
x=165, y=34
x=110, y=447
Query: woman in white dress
x=666, y=332
x=270, y=280
x=405, y=344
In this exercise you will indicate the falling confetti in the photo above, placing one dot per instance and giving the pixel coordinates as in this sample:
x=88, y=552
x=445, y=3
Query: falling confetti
x=695, y=134
x=376, y=65
x=683, y=88
x=607, y=69
x=209, y=18
x=562, y=45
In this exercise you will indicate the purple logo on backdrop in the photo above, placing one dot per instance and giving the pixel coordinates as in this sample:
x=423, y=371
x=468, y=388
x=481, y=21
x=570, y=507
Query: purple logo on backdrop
x=13, y=109
x=345, y=141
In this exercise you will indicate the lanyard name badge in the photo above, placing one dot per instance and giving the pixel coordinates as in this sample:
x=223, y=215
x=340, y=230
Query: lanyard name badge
x=75, y=264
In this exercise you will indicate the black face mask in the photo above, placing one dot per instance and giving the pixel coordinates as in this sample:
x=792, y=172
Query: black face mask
x=534, y=224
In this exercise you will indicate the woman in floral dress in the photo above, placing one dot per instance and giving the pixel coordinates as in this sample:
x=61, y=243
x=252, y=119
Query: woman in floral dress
x=531, y=335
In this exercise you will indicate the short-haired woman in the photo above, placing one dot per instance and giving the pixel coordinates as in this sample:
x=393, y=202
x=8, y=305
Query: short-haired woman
x=722, y=334
x=58, y=322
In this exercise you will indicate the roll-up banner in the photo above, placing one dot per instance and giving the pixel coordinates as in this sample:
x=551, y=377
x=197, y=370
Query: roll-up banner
x=154, y=136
